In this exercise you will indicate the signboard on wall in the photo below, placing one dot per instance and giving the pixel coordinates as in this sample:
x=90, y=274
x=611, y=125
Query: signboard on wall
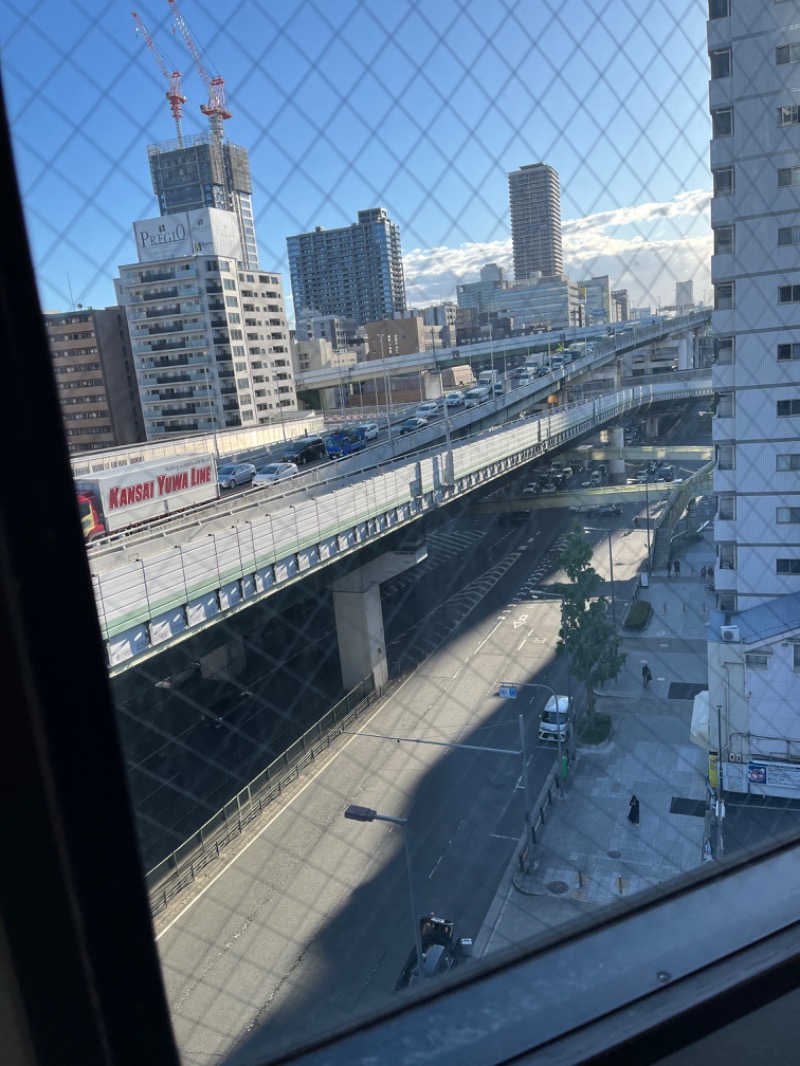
x=776, y=774
x=205, y=231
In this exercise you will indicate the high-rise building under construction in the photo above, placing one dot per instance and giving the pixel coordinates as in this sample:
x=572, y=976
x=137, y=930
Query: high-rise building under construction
x=206, y=172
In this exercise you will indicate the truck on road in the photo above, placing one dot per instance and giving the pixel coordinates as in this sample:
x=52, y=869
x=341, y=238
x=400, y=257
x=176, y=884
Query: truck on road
x=116, y=499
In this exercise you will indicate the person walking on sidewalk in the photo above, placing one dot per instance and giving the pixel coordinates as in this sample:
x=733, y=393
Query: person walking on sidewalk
x=669, y=567
x=647, y=677
x=633, y=813
x=677, y=565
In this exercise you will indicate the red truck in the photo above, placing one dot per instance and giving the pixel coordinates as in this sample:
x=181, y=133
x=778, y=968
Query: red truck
x=125, y=496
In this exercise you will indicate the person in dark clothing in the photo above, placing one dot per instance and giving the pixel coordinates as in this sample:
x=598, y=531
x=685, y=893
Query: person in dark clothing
x=647, y=677
x=633, y=813
x=677, y=565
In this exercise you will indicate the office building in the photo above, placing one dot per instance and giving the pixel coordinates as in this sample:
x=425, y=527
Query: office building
x=440, y=323
x=95, y=378
x=475, y=295
x=621, y=305
x=596, y=296
x=535, y=202
x=203, y=173
x=339, y=332
x=354, y=272
x=684, y=296
x=210, y=340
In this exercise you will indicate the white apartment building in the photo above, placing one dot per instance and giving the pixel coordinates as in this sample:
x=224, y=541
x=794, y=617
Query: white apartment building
x=755, y=164
x=210, y=340
x=752, y=717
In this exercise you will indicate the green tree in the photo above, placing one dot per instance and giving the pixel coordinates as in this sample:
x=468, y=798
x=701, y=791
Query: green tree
x=591, y=641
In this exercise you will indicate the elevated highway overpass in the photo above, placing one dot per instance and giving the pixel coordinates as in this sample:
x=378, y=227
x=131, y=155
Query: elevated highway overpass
x=626, y=337
x=159, y=586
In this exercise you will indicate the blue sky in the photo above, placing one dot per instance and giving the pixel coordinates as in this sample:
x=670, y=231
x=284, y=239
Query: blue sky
x=420, y=106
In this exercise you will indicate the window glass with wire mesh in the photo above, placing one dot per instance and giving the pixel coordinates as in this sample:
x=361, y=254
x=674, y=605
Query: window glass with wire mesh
x=723, y=240
x=723, y=181
x=787, y=53
x=722, y=122
x=720, y=63
x=789, y=115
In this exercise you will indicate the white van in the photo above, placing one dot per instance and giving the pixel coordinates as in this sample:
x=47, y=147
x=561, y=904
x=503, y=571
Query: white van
x=596, y=477
x=555, y=719
x=477, y=395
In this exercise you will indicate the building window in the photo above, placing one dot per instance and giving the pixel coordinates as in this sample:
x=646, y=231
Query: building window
x=796, y=655
x=756, y=660
x=722, y=122
x=723, y=350
x=727, y=601
x=719, y=9
x=726, y=456
x=789, y=294
x=788, y=408
x=723, y=239
x=229, y=283
x=725, y=406
x=789, y=115
x=787, y=516
x=787, y=462
x=787, y=53
x=727, y=508
x=723, y=181
x=720, y=63
x=788, y=566
x=788, y=176
x=724, y=294
x=788, y=235
x=788, y=351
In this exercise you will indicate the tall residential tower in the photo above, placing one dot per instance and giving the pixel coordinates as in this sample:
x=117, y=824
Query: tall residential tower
x=354, y=272
x=535, y=201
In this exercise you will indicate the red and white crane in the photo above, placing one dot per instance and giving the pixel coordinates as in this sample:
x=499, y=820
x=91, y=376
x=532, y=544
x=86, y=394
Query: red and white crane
x=215, y=110
x=173, y=94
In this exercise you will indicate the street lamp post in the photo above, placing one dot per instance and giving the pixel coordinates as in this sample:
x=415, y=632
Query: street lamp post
x=386, y=388
x=366, y=814
x=647, y=518
x=509, y=689
x=448, y=442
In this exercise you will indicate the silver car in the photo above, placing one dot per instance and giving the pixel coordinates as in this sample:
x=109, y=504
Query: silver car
x=235, y=474
x=273, y=472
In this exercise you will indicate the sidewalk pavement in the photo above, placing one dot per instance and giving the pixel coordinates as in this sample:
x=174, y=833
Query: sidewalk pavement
x=587, y=853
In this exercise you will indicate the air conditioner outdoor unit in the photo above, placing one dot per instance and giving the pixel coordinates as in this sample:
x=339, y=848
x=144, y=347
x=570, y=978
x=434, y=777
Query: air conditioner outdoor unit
x=730, y=634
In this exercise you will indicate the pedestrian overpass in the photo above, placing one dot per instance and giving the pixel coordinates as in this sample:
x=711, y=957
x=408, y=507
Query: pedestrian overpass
x=159, y=586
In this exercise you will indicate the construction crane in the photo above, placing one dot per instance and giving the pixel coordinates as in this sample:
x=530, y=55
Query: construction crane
x=215, y=110
x=173, y=94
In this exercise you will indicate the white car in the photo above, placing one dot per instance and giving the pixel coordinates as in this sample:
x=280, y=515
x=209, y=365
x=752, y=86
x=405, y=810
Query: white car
x=273, y=472
x=427, y=410
x=369, y=429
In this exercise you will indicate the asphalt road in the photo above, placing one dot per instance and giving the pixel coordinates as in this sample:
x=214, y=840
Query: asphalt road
x=312, y=923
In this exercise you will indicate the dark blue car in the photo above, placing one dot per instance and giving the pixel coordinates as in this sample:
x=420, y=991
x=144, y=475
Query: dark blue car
x=345, y=442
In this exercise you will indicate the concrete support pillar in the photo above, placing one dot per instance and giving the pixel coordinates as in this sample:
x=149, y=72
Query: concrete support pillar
x=359, y=618
x=652, y=427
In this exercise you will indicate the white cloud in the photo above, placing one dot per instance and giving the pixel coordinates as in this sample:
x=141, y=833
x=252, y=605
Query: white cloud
x=645, y=249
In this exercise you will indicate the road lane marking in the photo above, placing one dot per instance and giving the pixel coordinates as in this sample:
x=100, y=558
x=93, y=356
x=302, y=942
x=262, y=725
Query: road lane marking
x=289, y=803
x=499, y=836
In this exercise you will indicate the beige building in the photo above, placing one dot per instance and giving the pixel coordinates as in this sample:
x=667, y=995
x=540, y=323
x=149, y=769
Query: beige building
x=95, y=378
